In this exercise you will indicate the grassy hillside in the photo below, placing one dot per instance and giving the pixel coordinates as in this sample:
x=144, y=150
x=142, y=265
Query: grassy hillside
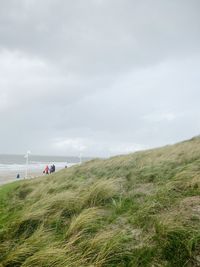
x=142, y=209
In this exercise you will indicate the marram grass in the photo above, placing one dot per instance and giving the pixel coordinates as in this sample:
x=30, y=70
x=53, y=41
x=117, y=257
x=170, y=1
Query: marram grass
x=142, y=209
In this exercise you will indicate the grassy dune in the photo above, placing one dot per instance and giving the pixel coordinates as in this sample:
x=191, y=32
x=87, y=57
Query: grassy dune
x=142, y=209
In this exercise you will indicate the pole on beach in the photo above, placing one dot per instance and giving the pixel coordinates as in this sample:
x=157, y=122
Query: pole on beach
x=26, y=157
x=80, y=158
x=81, y=150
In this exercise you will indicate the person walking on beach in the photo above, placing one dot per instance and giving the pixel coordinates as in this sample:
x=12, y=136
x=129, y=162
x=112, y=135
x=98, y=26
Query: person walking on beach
x=46, y=170
x=52, y=168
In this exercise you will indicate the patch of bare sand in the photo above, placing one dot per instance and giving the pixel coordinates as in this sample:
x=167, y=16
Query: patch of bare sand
x=146, y=189
x=185, y=212
x=191, y=205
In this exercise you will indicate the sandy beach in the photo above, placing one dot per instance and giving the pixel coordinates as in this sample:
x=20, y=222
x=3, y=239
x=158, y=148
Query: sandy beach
x=10, y=176
x=7, y=176
x=12, y=165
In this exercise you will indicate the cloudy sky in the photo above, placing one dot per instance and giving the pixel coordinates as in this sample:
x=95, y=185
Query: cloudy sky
x=103, y=77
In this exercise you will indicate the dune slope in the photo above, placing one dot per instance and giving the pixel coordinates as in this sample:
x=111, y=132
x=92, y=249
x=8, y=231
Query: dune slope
x=142, y=209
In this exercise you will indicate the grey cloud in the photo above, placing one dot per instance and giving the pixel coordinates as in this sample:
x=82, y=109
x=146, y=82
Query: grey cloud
x=127, y=33
x=107, y=76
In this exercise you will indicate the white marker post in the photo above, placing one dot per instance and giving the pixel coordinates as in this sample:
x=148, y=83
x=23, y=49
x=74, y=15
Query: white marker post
x=80, y=158
x=26, y=157
x=81, y=150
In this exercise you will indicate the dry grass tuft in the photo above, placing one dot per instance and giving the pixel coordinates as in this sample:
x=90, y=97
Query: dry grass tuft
x=101, y=192
x=86, y=222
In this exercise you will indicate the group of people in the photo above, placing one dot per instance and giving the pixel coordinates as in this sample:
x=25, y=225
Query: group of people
x=50, y=169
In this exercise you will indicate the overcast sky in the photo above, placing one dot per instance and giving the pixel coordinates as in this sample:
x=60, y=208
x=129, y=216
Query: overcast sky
x=102, y=76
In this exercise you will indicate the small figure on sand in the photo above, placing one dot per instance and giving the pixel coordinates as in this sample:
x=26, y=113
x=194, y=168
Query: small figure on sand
x=18, y=176
x=46, y=170
x=52, y=168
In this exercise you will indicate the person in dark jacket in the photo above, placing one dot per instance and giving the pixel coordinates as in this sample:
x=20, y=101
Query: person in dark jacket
x=52, y=168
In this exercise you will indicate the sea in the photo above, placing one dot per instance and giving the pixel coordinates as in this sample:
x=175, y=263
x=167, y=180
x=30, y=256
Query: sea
x=12, y=165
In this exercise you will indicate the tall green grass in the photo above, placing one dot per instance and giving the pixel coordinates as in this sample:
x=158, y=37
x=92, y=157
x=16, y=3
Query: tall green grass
x=142, y=209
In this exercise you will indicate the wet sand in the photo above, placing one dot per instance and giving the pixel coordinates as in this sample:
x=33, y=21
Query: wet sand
x=11, y=176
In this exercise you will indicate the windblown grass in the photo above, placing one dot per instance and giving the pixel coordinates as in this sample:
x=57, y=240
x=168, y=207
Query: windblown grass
x=142, y=209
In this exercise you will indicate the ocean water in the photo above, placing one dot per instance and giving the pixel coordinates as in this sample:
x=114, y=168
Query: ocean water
x=11, y=165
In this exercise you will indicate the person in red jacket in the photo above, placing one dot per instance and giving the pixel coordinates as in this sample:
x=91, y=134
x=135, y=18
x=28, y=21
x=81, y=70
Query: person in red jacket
x=46, y=170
